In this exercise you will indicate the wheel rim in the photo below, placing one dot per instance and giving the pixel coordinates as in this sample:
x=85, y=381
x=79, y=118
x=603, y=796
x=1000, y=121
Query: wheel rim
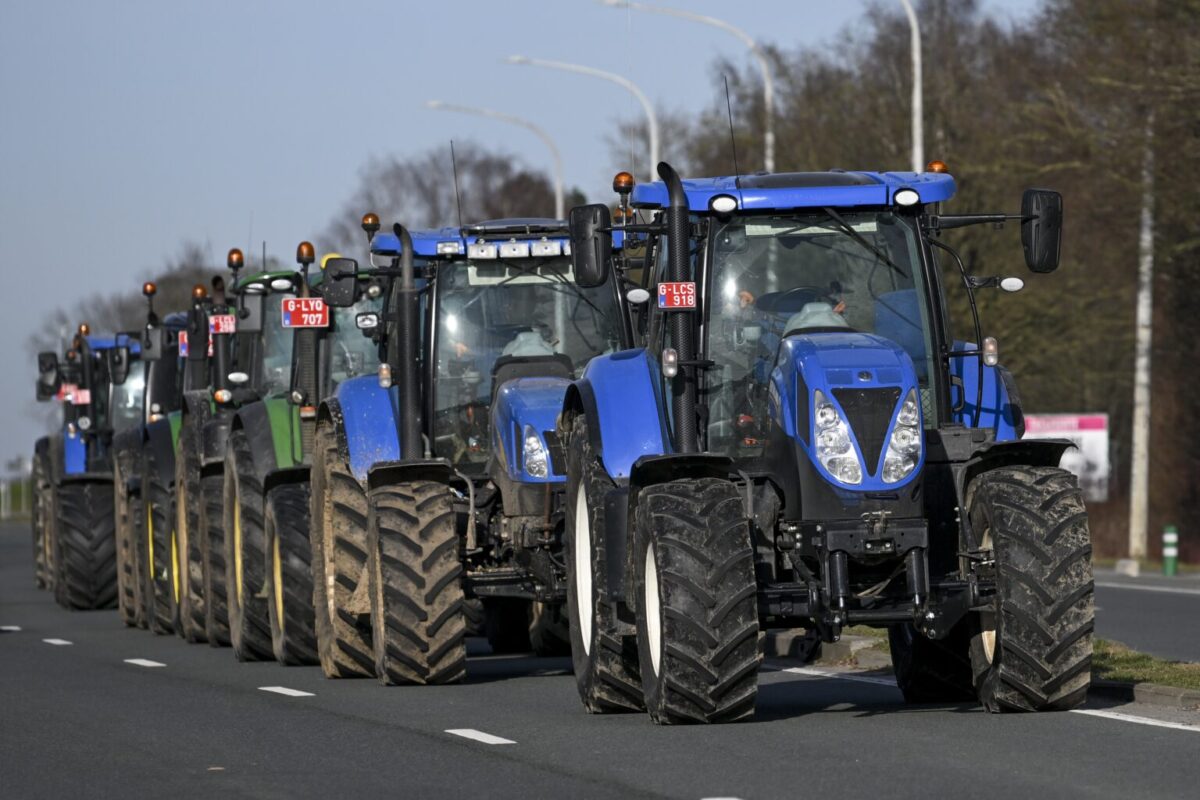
x=277, y=579
x=653, y=609
x=150, y=540
x=237, y=549
x=175, y=565
x=583, y=569
x=987, y=619
x=179, y=540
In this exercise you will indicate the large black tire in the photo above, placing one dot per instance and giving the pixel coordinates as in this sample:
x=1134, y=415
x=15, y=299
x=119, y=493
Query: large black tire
x=42, y=518
x=1033, y=650
x=603, y=647
x=415, y=584
x=160, y=565
x=245, y=549
x=932, y=670
x=475, y=617
x=549, y=632
x=86, y=546
x=127, y=520
x=506, y=625
x=697, y=602
x=338, y=533
x=189, y=507
x=290, y=593
x=211, y=533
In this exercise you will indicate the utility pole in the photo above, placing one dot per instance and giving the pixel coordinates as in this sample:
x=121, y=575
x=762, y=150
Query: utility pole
x=918, y=111
x=1139, y=480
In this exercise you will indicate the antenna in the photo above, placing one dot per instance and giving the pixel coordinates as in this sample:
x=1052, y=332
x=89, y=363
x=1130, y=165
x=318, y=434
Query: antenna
x=264, y=261
x=457, y=196
x=737, y=173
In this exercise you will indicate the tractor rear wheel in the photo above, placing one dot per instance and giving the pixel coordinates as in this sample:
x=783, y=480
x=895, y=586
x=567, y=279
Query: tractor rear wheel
x=697, y=602
x=290, y=595
x=211, y=533
x=188, y=509
x=245, y=562
x=506, y=624
x=476, y=620
x=86, y=546
x=1032, y=651
x=160, y=572
x=338, y=533
x=603, y=647
x=42, y=518
x=549, y=633
x=415, y=583
x=126, y=509
x=931, y=670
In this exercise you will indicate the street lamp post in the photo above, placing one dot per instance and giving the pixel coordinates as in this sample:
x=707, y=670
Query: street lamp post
x=620, y=80
x=559, y=210
x=918, y=126
x=764, y=64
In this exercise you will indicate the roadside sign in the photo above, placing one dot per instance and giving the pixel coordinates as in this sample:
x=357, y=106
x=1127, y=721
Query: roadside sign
x=1089, y=461
x=304, y=312
x=677, y=295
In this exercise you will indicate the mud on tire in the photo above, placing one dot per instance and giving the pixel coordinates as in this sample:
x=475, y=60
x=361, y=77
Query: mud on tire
x=86, y=546
x=245, y=562
x=211, y=533
x=158, y=571
x=697, y=602
x=189, y=507
x=1033, y=650
x=42, y=520
x=338, y=535
x=127, y=514
x=289, y=579
x=415, y=585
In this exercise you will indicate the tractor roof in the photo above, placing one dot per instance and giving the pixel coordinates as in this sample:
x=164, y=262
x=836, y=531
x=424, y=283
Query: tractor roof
x=798, y=190
x=259, y=277
x=102, y=342
x=176, y=321
x=452, y=242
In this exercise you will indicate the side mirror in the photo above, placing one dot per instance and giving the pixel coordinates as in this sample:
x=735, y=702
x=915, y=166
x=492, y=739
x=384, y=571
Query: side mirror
x=49, y=380
x=1041, y=229
x=154, y=341
x=118, y=364
x=250, y=317
x=340, y=287
x=591, y=244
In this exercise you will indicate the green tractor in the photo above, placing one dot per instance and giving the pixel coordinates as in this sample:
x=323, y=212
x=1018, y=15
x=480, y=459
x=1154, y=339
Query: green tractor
x=269, y=451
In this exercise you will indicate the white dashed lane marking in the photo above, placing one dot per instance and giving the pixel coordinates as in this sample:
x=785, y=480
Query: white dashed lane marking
x=285, y=691
x=144, y=662
x=10, y=628
x=58, y=642
x=479, y=736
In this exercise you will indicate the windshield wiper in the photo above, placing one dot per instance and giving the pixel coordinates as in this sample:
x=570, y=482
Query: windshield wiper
x=846, y=228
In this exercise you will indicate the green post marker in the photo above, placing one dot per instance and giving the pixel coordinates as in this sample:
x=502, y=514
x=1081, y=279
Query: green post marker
x=1170, y=550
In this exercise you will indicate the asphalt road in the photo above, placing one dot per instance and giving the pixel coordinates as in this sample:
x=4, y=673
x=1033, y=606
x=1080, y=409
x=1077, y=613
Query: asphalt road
x=1151, y=613
x=77, y=717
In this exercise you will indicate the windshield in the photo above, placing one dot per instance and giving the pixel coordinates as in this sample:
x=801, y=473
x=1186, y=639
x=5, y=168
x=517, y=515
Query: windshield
x=527, y=308
x=351, y=353
x=772, y=276
x=126, y=410
x=277, y=346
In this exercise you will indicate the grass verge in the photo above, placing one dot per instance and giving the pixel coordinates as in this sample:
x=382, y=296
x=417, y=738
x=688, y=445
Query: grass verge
x=1114, y=661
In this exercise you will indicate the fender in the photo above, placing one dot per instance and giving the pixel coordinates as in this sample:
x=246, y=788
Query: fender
x=617, y=392
x=389, y=473
x=368, y=423
x=298, y=473
x=268, y=428
x=1000, y=409
x=160, y=440
x=620, y=506
x=1024, y=452
x=128, y=445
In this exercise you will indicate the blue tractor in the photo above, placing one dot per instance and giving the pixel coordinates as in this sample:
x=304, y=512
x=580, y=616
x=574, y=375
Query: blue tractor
x=439, y=481
x=74, y=541
x=802, y=442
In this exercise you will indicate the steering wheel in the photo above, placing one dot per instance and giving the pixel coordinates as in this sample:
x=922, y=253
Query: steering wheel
x=821, y=292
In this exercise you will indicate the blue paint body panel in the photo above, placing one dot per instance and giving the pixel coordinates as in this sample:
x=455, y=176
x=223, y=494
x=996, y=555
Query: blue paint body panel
x=533, y=402
x=425, y=242
x=995, y=410
x=829, y=361
x=628, y=409
x=74, y=453
x=369, y=414
x=876, y=189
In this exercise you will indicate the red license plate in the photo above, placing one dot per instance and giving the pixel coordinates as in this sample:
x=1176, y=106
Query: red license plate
x=81, y=397
x=677, y=294
x=222, y=323
x=304, y=312
x=183, y=344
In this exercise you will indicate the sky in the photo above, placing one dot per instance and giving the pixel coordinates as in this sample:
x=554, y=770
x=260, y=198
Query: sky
x=129, y=126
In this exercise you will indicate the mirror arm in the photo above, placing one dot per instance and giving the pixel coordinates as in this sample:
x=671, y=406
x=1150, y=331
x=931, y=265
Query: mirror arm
x=947, y=221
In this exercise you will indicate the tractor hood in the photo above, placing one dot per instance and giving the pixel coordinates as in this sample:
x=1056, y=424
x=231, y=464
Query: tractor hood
x=526, y=407
x=867, y=380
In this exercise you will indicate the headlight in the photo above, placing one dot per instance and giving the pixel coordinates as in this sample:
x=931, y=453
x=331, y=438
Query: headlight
x=535, y=454
x=832, y=437
x=85, y=423
x=904, y=446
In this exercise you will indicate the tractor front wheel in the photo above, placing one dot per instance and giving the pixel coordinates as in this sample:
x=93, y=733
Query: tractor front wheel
x=127, y=513
x=697, y=602
x=189, y=503
x=293, y=632
x=42, y=518
x=415, y=583
x=245, y=563
x=160, y=589
x=210, y=531
x=86, y=547
x=1032, y=650
x=931, y=670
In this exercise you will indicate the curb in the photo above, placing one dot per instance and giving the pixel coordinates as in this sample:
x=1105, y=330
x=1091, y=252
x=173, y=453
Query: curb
x=1149, y=693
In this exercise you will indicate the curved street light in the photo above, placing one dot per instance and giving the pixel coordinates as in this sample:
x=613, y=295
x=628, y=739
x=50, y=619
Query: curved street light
x=620, y=80
x=559, y=211
x=764, y=64
x=918, y=125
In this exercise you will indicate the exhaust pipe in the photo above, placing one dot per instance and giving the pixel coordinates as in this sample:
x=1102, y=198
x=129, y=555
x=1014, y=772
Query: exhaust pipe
x=409, y=336
x=682, y=323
